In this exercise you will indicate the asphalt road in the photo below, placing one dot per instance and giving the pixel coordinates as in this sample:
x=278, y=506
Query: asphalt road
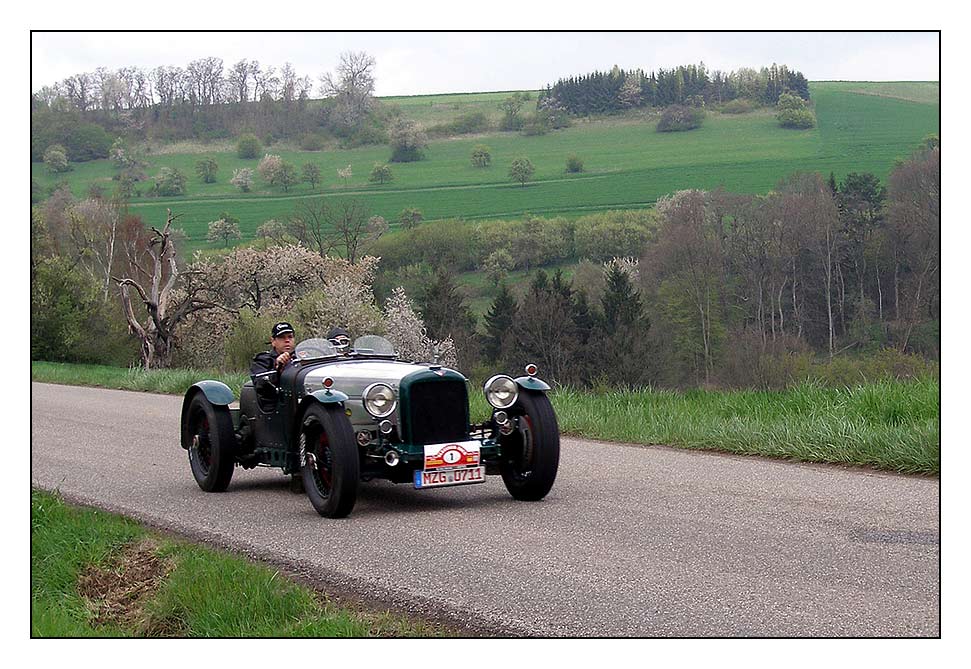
x=632, y=541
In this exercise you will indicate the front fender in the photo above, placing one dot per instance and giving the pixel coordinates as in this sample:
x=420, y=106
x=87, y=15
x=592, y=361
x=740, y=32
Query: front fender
x=218, y=394
x=532, y=383
x=324, y=397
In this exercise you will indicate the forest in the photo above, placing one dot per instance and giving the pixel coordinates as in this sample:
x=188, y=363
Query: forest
x=692, y=85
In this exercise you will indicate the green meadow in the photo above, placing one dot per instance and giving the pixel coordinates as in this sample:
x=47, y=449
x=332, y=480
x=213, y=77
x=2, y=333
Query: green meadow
x=862, y=127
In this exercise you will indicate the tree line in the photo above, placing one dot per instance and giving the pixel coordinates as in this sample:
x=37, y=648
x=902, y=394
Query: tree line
x=692, y=85
x=204, y=99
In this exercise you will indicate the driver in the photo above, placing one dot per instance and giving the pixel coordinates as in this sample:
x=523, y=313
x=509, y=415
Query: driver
x=280, y=354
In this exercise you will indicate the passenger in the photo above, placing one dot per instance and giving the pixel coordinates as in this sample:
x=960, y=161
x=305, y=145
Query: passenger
x=339, y=338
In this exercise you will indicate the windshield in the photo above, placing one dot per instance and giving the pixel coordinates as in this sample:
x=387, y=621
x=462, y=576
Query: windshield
x=313, y=349
x=373, y=345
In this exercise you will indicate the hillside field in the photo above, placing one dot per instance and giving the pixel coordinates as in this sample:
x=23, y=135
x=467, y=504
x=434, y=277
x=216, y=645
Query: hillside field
x=862, y=127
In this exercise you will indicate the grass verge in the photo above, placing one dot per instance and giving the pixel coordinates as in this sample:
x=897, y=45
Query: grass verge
x=890, y=425
x=96, y=574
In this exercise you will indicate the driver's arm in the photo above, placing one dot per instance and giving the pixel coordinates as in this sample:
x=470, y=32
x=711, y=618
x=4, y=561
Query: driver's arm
x=262, y=362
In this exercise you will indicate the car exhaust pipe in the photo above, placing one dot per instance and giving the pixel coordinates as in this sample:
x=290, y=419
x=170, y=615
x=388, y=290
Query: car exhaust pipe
x=391, y=458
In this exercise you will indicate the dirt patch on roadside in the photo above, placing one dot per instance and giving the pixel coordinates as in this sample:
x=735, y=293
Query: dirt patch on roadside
x=117, y=594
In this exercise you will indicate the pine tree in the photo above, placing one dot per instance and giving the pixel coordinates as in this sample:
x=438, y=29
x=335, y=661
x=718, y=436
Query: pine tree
x=624, y=356
x=443, y=308
x=621, y=304
x=498, y=322
x=584, y=318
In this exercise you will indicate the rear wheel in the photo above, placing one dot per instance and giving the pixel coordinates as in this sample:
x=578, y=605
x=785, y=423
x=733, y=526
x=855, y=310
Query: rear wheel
x=331, y=468
x=531, y=453
x=212, y=444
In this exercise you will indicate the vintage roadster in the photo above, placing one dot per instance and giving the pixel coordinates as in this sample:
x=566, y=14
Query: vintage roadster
x=338, y=417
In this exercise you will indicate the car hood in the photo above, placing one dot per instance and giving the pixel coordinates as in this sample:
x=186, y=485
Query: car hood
x=351, y=377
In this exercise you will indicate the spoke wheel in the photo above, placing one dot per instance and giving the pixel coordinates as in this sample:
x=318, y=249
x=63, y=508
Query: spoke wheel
x=330, y=463
x=322, y=465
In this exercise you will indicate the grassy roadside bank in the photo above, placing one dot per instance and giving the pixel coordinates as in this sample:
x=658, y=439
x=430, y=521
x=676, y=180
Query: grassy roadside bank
x=97, y=574
x=889, y=425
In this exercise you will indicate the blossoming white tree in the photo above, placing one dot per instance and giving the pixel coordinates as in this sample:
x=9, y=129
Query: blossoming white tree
x=404, y=328
x=243, y=179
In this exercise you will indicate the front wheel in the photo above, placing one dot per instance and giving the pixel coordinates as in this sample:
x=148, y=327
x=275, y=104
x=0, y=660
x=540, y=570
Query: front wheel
x=531, y=453
x=330, y=465
x=212, y=443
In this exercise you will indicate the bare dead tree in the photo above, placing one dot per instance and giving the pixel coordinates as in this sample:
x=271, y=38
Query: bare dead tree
x=165, y=307
x=310, y=224
x=343, y=227
x=352, y=86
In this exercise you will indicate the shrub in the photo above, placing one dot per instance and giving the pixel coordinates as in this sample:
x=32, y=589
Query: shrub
x=481, y=156
x=796, y=118
x=70, y=322
x=573, y=164
x=737, y=106
x=62, y=297
x=366, y=135
x=55, y=158
x=511, y=123
x=678, y=119
x=247, y=336
x=535, y=124
x=408, y=141
x=206, y=169
x=381, y=173
x=311, y=142
x=468, y=123
x=169, y=181
x=248, y=147
x=788, y=100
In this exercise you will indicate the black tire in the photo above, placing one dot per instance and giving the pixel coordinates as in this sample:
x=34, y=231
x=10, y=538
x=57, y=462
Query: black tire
x=531, y=454
x=212, y=443
x=331, y=465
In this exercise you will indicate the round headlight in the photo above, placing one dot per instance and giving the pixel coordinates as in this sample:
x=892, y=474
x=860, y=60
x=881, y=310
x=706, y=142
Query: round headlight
x=379, y=400
x=501, y=391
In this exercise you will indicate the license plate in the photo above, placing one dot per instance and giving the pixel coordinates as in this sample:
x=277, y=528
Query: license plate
x=439, y=477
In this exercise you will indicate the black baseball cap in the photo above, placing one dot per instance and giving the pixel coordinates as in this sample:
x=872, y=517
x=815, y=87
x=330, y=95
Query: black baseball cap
x=281, y=329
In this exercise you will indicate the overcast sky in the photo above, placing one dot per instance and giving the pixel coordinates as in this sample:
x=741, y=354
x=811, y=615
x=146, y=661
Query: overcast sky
x=418, y=63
